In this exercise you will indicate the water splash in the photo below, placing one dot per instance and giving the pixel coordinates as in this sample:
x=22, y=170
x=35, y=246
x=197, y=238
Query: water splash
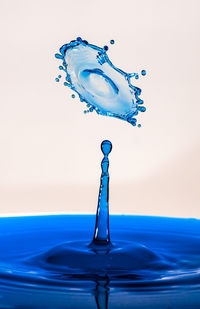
x=145, y=253
x=101, y=257
x=104, y=88
x=148, y=257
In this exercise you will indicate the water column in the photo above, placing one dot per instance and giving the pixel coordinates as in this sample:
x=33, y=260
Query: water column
x=101, y=234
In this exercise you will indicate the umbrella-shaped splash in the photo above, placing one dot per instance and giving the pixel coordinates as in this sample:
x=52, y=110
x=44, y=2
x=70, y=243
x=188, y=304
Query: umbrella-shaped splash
x=102, y=86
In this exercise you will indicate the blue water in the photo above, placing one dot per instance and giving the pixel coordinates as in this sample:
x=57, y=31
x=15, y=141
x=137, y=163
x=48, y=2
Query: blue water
x=28, y=280
x=103, y=87
x=101, y=233
x=54, y=262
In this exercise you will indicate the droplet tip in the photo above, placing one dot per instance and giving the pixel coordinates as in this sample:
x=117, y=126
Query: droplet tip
x=106, y=147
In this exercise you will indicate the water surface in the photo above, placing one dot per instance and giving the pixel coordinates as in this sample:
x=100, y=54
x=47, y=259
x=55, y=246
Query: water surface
x=28, y=280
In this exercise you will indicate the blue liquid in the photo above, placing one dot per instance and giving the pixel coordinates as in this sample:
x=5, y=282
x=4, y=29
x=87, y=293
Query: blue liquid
x=50, y=261
x=143, y=72
x=101, y=234
x=26, y=283
x=101, y=85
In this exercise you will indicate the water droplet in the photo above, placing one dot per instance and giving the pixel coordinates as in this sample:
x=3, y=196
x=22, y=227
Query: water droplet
x=143, y=72
x=73, y=96
x=59, y=76
x=106, y=147
x=105, y=47
x=112, y=42
x=57, y=79
x=141, y=108
x=139, y=125
x=58, y=56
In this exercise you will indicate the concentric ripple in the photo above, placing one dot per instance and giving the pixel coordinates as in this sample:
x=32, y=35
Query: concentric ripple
x=161, y=264
x=149, y=251
x=102, y=86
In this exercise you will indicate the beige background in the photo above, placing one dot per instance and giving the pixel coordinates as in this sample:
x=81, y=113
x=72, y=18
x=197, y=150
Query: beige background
x=50, y=157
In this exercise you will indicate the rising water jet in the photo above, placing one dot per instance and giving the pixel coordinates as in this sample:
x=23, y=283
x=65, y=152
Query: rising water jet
x=102, y=233
x=101, y=257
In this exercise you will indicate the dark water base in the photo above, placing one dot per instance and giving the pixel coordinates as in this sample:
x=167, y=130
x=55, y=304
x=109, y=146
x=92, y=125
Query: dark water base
x=49, y=262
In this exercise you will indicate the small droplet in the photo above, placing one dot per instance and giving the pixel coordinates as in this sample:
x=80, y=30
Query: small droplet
x=73, y=96
x=141, y=108
x=65, y=84
x=136, y=76
x=79, y=39
x=143, y=72
x=106, y=147
x=112, y=42
x=105, y=47
x=61, y=67
x=59, y=76
x=139, y=125
x=57, y=80
x=58, y=56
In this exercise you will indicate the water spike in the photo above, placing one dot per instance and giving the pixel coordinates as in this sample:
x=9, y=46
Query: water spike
x=101, y=234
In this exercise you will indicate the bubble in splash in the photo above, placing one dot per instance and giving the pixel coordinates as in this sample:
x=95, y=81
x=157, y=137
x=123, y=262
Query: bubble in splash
x=105, y=88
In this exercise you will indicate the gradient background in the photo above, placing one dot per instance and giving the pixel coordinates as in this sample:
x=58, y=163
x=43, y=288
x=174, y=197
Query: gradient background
x=50, y=151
